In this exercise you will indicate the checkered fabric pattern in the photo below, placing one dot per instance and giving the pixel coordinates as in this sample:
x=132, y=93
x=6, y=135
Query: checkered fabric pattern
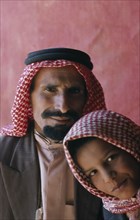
x=117, y=130
x=22, y=111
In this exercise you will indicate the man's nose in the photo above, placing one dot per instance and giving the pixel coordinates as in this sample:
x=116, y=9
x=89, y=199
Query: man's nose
x=62, y=102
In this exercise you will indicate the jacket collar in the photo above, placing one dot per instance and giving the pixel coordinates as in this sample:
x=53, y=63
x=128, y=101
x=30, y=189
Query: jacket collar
x=22, y=156
x=24, y=153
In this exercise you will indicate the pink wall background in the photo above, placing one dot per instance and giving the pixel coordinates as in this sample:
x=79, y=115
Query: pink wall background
x=107, y=29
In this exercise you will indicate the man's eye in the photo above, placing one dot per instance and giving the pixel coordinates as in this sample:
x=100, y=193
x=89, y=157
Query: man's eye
x=50, y=89
x=74, y=90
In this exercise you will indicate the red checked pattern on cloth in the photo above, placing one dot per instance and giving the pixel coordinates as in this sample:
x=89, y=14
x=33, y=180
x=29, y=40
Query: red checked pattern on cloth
x=22, y=111
x=117, y=130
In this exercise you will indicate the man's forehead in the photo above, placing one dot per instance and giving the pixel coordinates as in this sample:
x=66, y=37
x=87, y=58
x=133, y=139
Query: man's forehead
x=59, y=73
x=66, y=69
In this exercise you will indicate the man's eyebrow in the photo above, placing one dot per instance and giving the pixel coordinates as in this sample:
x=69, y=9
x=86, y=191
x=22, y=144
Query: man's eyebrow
x=48, y=85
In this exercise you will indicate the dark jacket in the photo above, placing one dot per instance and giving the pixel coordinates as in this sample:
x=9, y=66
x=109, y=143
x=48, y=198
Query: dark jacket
x=20, y=184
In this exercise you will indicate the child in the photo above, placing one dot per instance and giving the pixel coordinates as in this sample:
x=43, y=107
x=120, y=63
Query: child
x=103, y=152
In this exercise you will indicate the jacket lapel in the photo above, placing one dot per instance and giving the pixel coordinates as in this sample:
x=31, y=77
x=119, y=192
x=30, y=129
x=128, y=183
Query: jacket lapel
x=21, y=179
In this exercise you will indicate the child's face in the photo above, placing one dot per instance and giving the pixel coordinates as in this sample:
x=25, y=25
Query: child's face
x=110, y=169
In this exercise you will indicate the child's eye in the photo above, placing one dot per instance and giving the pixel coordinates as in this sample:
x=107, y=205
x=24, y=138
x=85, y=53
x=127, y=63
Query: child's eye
x=92, y=173
x=112, y=157
x=109, y=159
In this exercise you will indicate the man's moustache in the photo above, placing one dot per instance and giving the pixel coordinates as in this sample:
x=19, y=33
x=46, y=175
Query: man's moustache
x=69, y=114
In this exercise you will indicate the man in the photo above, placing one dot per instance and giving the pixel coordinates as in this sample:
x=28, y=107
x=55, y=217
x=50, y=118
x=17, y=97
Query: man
x=56, y=88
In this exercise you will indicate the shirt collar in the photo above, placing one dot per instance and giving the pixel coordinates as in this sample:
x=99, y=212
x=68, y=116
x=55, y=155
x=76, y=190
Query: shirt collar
x=49, y=143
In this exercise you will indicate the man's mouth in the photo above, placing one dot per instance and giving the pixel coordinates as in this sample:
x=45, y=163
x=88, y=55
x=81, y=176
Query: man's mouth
x=119, y=185
x=59, y=116
x=61, y=119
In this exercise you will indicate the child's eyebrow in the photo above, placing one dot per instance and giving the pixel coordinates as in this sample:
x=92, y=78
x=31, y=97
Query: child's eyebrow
x=87, y=171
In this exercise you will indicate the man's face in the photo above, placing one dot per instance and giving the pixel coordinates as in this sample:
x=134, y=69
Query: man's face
x=57, y=99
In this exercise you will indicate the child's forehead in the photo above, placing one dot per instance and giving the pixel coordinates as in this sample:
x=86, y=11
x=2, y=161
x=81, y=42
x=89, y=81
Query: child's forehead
x=98, y=142
x=97, y=147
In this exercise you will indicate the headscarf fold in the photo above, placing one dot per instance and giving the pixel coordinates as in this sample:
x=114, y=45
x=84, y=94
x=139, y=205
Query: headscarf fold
x=22, y=111
x=118, y=130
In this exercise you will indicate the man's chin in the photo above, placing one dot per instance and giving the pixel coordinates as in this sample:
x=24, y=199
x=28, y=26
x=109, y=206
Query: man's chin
x=57, y=132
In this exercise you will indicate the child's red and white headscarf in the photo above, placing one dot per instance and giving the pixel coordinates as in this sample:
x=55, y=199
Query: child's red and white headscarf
x=22, y=111
x=117, y=130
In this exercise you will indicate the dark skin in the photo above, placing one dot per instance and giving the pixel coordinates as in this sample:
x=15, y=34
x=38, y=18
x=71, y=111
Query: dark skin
x=58, y=96
x=111, y=170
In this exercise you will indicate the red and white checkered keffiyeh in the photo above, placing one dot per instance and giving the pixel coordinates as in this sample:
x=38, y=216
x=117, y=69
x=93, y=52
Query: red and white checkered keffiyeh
x=117, y=130
x=22, y=111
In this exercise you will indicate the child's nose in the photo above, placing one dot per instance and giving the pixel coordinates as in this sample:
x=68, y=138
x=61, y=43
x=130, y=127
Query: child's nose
x=109, y=175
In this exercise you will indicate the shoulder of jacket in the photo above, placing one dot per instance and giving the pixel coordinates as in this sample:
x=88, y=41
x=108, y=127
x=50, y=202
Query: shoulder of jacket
x=7, y=146
x=6, y=141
